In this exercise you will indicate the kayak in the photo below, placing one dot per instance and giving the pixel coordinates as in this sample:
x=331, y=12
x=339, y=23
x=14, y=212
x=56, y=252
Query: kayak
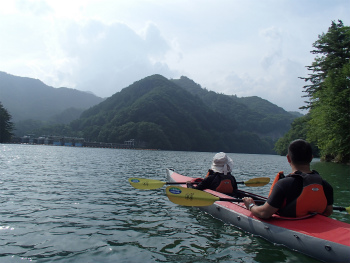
x=317, y=236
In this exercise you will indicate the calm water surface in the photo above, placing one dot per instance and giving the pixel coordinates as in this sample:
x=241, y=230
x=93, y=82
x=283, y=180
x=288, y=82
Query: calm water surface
x=64, y=204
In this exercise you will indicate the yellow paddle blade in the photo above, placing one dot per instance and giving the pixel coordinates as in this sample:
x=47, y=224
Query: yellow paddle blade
x=189, y=197
x=261, y=181
x=145, y=184
x=347, y=209
x=340, y=208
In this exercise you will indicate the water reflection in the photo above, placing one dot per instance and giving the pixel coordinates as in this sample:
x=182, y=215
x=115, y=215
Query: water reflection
x=75, y=204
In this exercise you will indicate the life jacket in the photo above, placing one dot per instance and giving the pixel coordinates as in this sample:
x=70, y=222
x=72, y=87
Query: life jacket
x=312, y=198
x=279, y=176
x=225, y=186
x=223, y=183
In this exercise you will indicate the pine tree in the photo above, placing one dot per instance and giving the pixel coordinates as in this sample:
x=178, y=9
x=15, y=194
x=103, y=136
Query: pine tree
x=6, y=126
x=329, y=93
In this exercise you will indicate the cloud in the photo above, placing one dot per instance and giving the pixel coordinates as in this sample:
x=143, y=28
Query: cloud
x=86, y=54
x=39, y=8
x=272, y=33
x=248, y=48
x=273, y=38
x=104, y=58
x=156, y=45
x=282, y=88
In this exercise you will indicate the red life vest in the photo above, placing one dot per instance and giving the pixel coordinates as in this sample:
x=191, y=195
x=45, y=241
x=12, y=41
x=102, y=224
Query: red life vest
x=226, y=184
x=225, y=187
x=312, y=198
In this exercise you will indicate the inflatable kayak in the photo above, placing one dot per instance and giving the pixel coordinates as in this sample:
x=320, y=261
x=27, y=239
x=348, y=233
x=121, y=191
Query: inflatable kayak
x=317, y=236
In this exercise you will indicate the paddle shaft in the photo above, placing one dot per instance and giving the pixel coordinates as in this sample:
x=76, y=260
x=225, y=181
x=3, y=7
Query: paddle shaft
x=149, y=184
x=339, y=208
x=240, y=200
x=192, y=197
x=225, y=199
x=192, y=183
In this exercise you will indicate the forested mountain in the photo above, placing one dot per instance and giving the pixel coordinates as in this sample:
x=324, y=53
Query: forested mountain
x=164, y=114
x=155, y=112
x=27, y=98
x=252, y=114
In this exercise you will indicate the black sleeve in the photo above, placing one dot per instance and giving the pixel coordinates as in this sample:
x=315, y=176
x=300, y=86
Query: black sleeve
x=328, y=191
x=205, y=184
x=277, y=196
x=280, y=192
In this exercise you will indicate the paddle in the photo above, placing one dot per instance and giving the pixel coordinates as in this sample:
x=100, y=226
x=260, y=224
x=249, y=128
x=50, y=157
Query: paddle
x=149, y=184
x=192, y=197
x=340, y=208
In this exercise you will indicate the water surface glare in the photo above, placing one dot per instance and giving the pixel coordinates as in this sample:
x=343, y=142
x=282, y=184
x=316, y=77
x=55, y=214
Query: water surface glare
x=66, y=204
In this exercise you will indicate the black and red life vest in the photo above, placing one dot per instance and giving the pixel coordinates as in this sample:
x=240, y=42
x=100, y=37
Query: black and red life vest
x=223, y=183
x=312, y=198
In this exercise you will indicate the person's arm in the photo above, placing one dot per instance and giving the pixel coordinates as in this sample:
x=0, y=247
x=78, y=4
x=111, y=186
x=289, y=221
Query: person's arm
x=328, y=211
x=200, y=184
x=263, y=211
x=328, y=190
x=204, y=184
x=274, y=201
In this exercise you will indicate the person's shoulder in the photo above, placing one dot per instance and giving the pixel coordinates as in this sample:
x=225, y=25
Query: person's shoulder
x=326, y=184
x=289, y=177
x=210, y=172
x=286, y=180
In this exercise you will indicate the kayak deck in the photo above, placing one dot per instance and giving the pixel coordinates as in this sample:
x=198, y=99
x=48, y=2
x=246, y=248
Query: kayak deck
x=318, y=236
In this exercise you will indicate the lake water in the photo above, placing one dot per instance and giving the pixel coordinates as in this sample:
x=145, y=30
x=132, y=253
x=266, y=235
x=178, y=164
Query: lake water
x=66, y=204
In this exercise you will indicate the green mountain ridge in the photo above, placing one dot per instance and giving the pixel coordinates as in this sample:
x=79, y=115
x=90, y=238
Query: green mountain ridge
x=27, y=98
x=158, y=113
x=161, y=113
x=252, y=114
x=154, y=110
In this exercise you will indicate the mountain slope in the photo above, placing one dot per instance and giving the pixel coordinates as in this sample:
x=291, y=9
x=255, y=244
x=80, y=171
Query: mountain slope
x=27, y=98
x=163, y=115
x=252, y=114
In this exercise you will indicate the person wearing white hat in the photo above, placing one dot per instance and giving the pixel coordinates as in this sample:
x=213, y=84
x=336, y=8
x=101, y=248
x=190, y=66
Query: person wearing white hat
x=219, y=177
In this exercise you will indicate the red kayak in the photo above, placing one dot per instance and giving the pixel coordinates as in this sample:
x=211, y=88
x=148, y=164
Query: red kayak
x=320, y=237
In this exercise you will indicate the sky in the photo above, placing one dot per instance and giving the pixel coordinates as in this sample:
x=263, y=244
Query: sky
x=235, y=47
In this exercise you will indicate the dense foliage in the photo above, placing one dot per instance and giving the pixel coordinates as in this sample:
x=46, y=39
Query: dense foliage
x=328, y=90
x=329, y=93
x=6, y=126
x=160, y=114
x=171, y=115
x=298, y=131
x=252, y=114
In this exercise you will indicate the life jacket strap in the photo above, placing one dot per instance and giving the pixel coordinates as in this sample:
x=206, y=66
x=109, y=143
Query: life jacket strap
x=279, y=176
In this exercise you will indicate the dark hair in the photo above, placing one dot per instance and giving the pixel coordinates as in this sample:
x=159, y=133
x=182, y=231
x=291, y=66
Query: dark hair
x=300, y=152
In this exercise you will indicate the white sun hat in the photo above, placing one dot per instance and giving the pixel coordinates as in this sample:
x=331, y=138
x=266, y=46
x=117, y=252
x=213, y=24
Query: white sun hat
x=222, y=163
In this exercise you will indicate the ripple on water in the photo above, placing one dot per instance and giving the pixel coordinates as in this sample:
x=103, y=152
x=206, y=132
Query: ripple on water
x=64, y=204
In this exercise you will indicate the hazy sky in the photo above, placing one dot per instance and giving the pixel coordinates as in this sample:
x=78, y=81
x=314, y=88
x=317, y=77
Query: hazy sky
x=242, y=47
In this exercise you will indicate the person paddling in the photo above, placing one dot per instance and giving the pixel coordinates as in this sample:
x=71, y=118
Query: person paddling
x=219, y=177
x=298, y=194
